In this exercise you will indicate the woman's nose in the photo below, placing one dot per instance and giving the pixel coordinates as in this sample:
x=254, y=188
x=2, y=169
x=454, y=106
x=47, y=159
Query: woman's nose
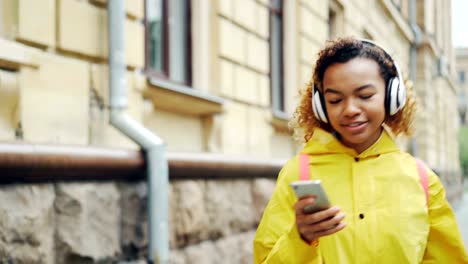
x=351, y=108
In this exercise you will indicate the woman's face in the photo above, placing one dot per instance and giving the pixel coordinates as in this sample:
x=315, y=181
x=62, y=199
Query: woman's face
x=354, y=96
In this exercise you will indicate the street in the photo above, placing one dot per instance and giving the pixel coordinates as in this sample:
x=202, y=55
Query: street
x=461, y=212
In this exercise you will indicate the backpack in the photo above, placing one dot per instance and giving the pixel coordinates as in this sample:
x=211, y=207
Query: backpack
x=304, y=173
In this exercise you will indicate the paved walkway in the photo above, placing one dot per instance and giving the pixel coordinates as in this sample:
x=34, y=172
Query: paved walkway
x=461, y=211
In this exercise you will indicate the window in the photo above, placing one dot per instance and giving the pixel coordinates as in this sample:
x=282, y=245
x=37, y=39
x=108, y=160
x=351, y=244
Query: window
x=168, y=40
x=335, y=19
x=276, y=55
x=461, y=77
x=331, y=24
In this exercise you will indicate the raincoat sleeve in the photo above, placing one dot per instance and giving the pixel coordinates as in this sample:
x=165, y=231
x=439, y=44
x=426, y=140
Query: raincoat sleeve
x=444, y=243
x=277, y=239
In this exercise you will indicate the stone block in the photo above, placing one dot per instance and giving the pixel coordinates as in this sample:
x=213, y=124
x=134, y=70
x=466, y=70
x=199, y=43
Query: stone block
x=245, y=85
x=282, y=147
x=232, y=41
x=13, y=55
x=27, y=223
x=263, y=21
x=259, y=132
x=236, y=249
x=320, y=7
x=204, y=252
x=134, y=232
x=227, y=80
x=134, y=44
x=229, y=207
x=306, y=75
x=226, y=8
x=35, y=28
x=177, y=257
x=188, y=213
x=82, y=28
x=9, y=18
x=54, y=101
x=92, y=39
x=83, y=231
x=264, y=90
x=312, y=26
x=308, y=51
x=245, y=13
x=262, y=189
x=234, y=132
x=258, y=54
x=167, y=125
x=9, y=101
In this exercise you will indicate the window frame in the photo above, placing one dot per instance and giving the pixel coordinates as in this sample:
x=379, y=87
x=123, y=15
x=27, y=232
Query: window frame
x=165, y=74
x=277, y=82
x=461, y=77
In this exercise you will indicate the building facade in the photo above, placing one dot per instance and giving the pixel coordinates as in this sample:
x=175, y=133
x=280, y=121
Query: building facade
x=216, y=76
x=462, y=72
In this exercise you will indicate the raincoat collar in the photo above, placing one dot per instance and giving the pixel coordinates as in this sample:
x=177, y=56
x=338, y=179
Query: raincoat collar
x=323, y=142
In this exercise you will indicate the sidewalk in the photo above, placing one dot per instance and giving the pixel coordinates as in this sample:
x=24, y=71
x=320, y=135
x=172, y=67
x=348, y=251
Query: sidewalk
x=461, y=213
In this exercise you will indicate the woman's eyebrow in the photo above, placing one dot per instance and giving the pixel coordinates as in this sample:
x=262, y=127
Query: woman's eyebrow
x=365, y=86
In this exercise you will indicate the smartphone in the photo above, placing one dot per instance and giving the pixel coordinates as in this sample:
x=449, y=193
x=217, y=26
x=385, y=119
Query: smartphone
x=311, y=187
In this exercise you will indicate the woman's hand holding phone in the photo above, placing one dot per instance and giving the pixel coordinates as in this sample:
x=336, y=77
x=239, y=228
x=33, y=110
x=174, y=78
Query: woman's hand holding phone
x=312, y=226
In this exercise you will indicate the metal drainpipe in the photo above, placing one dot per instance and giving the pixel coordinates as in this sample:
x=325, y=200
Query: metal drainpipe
x=413, y=52
x=157, y=165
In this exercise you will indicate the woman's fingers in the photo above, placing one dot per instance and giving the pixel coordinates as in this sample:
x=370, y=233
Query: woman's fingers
x=326, y=224
x=321, y=216
x=311, y=234
x=330, y=231
x=303, y=202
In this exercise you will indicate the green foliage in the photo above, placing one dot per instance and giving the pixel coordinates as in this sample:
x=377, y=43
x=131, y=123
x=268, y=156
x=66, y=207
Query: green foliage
x=463, y=139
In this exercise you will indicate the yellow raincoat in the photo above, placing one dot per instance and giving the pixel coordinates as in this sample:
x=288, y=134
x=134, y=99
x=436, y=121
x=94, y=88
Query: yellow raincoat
x=388, y=220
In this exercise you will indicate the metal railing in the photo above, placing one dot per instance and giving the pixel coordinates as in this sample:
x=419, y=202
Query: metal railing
x=22, y=162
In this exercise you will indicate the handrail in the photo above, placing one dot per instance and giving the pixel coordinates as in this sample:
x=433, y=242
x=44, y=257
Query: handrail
x=23, y=162
x=33, y=162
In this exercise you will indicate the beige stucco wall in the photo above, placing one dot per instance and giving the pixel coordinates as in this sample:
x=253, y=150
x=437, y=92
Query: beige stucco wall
x=60, y=64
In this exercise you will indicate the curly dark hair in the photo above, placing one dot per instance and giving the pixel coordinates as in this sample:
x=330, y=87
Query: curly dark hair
x=340, y=51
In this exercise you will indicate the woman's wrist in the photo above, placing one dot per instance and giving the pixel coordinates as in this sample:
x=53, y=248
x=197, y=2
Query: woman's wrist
x=313, y=242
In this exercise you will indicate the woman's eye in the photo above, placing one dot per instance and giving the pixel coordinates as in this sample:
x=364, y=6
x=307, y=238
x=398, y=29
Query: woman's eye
x=366, y=96
x=334, y=101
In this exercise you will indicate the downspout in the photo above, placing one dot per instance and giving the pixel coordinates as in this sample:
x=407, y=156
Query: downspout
x=153, y=146
x=413, y=60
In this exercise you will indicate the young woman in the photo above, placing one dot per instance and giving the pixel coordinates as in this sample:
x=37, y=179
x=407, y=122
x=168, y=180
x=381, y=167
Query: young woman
x=349, y=113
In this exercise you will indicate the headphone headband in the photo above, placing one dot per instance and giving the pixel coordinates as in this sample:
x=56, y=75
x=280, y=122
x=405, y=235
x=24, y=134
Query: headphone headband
x=397, y=68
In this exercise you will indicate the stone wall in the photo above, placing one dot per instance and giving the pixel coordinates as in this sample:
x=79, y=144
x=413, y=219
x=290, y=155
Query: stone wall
x=107, y=222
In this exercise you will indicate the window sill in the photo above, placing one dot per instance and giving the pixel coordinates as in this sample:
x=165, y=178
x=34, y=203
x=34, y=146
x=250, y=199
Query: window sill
x=173, y=97
x=280, y=120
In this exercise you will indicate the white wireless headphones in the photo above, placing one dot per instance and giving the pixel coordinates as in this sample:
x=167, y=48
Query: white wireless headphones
x=395, y=92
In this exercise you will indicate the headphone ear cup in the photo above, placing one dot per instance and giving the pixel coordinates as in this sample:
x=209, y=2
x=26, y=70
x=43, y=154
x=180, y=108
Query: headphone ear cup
x=401, y=96
x=392, y=96
x=318, y=106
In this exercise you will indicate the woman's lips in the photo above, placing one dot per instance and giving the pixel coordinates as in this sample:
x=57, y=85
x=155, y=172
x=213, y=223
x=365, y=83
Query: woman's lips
x=355, y=127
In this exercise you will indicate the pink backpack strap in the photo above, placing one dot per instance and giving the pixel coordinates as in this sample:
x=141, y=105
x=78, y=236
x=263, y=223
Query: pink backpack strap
x=423, y=178
x=304, y=167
